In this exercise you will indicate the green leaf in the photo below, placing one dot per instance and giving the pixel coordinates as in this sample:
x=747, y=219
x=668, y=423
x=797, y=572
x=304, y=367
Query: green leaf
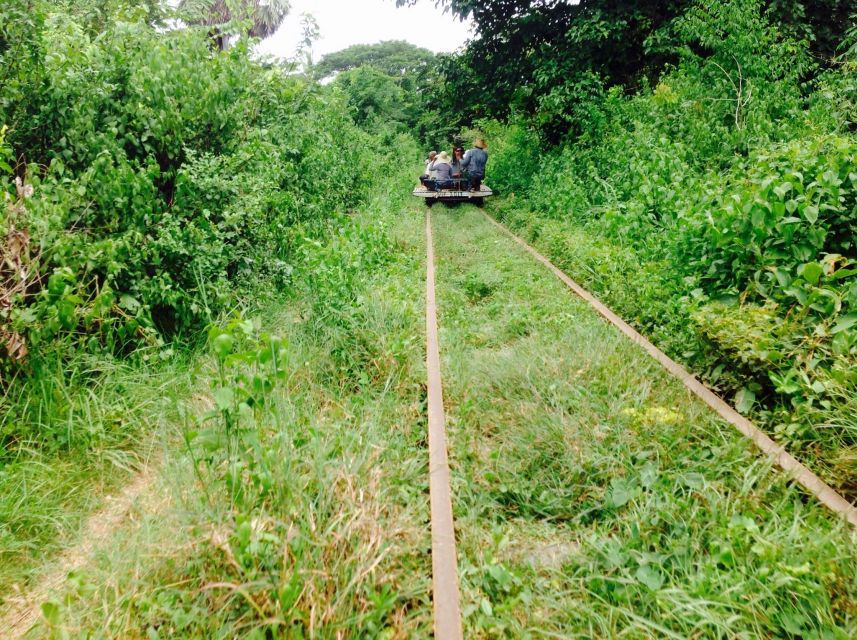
x=744, y=400
x=290, y=592
x=845, y=322
x=783, y=278
x=811, y=272
x=793, y=623
x=839, y=274
x=621, y=492
x=783, y=189
x=51, y=612
x=798, y=293
x=129, y=303
x=57, y=284
x=650, y=576
x=811, y=213
x=222, y=345
x=694, y=481
x=224, y=398
x=648, y=475
x=486, y=607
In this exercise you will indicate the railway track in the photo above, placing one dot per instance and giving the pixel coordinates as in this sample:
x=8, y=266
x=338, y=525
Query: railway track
x=446, y=598
x=576, y=488
x=447, y=610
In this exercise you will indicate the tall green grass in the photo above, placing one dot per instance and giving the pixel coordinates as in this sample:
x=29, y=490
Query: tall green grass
x=297, y=506
x=593, y=496
x=104, y=420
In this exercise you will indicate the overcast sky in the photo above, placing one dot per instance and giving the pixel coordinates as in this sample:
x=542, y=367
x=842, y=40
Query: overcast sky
x=346, y=22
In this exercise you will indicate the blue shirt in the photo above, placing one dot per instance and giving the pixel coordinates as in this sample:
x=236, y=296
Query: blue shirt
x=474, y=161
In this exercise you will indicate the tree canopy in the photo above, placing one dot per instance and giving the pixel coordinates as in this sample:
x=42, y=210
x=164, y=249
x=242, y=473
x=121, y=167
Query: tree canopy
x=550, y=59
x=266, y=15
x=394, y=57
x=391, y=86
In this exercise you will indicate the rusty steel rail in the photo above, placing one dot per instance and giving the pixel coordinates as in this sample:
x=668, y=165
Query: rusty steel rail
x=806, y=478
x=447, y=610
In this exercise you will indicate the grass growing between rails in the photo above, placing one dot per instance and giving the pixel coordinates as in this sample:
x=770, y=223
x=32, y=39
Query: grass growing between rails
x=711, y=340
x=299, y=506
x=593, y=496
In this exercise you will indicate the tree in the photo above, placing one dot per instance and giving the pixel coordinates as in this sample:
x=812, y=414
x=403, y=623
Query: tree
x=396, y=58
x=266, y=15
x=376, y=99
x=551, y=60
x=391, y=84
x=552, y=57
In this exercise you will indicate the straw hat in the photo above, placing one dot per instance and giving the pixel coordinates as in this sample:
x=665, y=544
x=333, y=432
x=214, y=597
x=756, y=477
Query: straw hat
x=479, y=143
x=443, y=156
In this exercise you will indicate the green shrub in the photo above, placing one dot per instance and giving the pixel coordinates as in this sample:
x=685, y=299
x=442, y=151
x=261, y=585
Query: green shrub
x=167, y=174
x=160, y=183
x=722, y=226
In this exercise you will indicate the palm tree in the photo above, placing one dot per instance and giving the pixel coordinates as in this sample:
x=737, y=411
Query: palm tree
x=267, y=15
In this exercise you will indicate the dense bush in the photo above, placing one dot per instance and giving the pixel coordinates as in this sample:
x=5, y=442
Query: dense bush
x=150, y=183
x=163, y=172
x=727, y=195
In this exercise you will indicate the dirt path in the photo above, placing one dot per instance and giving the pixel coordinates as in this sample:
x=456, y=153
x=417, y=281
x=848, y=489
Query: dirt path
x=26, y=609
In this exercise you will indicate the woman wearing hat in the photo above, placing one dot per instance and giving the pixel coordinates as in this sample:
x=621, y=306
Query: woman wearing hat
x=474, y=162
x=442, y=169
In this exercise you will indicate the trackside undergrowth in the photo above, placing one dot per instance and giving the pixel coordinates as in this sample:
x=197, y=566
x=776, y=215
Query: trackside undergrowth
x=114, y=417
x=297, y=506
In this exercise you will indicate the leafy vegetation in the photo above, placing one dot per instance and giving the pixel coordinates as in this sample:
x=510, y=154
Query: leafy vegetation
x=151, y=184
x=296, y=506
x=395, y=58
x=208, y=262
x=553, y=61
x=728, y=190
x=264, y=16
x=389, y=88
x=157, y=179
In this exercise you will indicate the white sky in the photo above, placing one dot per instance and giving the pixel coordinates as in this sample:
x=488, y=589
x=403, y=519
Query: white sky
x=343, y=23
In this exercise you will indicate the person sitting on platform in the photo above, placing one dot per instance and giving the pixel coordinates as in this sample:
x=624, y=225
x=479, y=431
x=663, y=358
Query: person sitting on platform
x=431, y=158
x=441, y=171
x=474, y=162
x=427, y=176
x=457, y=171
